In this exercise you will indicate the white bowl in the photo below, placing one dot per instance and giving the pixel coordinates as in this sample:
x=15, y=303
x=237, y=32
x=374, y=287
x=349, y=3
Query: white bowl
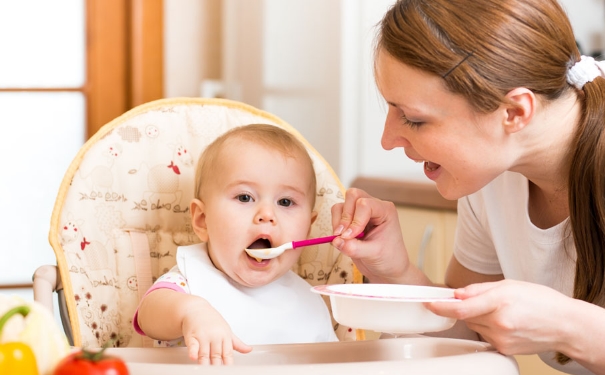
x=388, y=308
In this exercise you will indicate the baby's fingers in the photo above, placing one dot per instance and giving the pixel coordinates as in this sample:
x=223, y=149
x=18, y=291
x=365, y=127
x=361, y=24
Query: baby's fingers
x=196, y=351
x=218, y=352
x=240, y=346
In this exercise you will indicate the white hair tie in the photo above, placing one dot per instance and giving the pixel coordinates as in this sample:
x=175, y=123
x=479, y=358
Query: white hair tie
x=585, y=71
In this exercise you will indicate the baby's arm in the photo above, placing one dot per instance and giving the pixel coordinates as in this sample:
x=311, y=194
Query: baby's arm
x=166, y=314
x=161, y=313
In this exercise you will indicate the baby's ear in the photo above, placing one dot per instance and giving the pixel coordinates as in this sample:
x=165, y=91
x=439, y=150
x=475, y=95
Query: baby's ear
x=198, y=219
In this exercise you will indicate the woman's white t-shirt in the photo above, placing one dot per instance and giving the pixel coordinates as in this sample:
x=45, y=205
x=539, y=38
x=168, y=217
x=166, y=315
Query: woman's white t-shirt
x=496, y=236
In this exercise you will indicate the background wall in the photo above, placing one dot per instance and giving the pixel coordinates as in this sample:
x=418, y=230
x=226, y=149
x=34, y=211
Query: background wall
x=588, y=21
x=309, y=62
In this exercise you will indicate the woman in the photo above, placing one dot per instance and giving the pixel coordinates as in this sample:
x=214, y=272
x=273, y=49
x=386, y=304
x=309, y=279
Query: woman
x=507, y=117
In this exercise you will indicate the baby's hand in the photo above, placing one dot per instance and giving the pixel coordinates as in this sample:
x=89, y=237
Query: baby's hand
x=209, y=338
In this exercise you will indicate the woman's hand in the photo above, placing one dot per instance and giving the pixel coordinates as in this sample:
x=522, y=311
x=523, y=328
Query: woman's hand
x=516, y=317
x=209, y=338
x=381, y=255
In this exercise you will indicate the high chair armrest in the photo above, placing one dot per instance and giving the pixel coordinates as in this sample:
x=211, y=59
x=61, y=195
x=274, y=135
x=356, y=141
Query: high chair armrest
x=46, y=279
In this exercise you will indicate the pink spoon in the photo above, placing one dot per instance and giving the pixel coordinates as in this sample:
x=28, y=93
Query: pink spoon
x=273, y=252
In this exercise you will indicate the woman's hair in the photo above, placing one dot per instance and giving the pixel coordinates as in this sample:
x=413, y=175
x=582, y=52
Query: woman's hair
x=485, y=48
x=269, y=136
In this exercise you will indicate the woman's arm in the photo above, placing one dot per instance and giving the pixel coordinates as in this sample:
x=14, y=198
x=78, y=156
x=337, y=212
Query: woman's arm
x=583, y=334
x=458, y=276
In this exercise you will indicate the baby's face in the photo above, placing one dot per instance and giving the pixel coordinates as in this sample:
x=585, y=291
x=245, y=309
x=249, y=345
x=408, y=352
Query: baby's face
x=260, y=198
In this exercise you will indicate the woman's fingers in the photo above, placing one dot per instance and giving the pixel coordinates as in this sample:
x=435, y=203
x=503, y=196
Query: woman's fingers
x=347, y=218
x=360, y=212
x=380, y=255
x=474, y=290
x=474, y=302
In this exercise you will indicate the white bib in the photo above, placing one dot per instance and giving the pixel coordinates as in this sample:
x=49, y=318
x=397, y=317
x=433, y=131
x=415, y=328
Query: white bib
x=284, y=311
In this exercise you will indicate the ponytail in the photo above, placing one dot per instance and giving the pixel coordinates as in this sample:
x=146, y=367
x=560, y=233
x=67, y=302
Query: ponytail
x=587, y=197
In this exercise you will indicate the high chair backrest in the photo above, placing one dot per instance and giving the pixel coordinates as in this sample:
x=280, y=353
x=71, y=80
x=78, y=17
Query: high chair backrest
x=123, y=208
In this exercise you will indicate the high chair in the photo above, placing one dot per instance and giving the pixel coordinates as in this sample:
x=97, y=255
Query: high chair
x=123, y=208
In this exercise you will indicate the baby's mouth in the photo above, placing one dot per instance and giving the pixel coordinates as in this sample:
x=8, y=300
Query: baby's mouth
x=261, y=243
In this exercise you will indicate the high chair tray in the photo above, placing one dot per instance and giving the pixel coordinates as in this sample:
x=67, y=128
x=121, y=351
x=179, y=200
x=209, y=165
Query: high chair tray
x=409, y=355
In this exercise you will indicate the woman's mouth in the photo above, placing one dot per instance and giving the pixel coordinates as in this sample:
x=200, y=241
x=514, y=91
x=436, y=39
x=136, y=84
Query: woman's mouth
x=430, y=166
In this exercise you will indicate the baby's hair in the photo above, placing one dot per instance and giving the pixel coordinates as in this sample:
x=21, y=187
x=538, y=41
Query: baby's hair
x=268, y=136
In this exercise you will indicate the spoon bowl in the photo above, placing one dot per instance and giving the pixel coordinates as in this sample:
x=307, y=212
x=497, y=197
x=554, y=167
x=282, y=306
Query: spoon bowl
x=273, y=252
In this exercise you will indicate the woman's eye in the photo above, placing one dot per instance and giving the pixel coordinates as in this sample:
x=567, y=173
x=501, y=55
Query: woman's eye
x=244, y=198
x=285, y=202
x=403, y=118
x=409, y=123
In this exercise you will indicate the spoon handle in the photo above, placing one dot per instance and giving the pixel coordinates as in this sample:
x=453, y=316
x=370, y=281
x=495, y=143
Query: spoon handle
x=316, y=241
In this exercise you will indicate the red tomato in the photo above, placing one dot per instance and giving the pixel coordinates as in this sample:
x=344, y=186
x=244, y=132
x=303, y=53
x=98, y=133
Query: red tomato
x=91, y=363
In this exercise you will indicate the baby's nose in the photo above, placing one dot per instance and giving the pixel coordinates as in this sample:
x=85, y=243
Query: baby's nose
x=265, y=214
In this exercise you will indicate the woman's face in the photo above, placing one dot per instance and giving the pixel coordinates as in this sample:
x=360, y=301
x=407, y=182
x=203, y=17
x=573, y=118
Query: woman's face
x=461, y=150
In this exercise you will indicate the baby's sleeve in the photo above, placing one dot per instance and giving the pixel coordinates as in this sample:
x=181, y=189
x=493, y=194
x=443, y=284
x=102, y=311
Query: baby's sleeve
x=173, y=280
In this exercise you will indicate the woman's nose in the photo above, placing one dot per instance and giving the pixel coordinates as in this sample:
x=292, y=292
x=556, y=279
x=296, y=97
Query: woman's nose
x=392, y=135
x=264, y=215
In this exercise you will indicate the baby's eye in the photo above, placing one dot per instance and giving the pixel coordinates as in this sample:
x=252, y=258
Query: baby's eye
x=244, y=198
x=285, y=202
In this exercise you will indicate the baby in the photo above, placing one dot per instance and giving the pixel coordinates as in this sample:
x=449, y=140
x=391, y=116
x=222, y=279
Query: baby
x=255, y=188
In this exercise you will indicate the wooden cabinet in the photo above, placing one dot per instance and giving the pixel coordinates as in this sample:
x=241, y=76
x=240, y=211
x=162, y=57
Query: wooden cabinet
x=429, y=238
x=533, y=365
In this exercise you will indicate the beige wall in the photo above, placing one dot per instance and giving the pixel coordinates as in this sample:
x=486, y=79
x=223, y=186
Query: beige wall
x=327, y=90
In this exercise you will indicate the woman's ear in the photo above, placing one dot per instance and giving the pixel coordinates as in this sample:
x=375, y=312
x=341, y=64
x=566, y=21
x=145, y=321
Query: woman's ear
x=198, y=219
x=520, y=110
